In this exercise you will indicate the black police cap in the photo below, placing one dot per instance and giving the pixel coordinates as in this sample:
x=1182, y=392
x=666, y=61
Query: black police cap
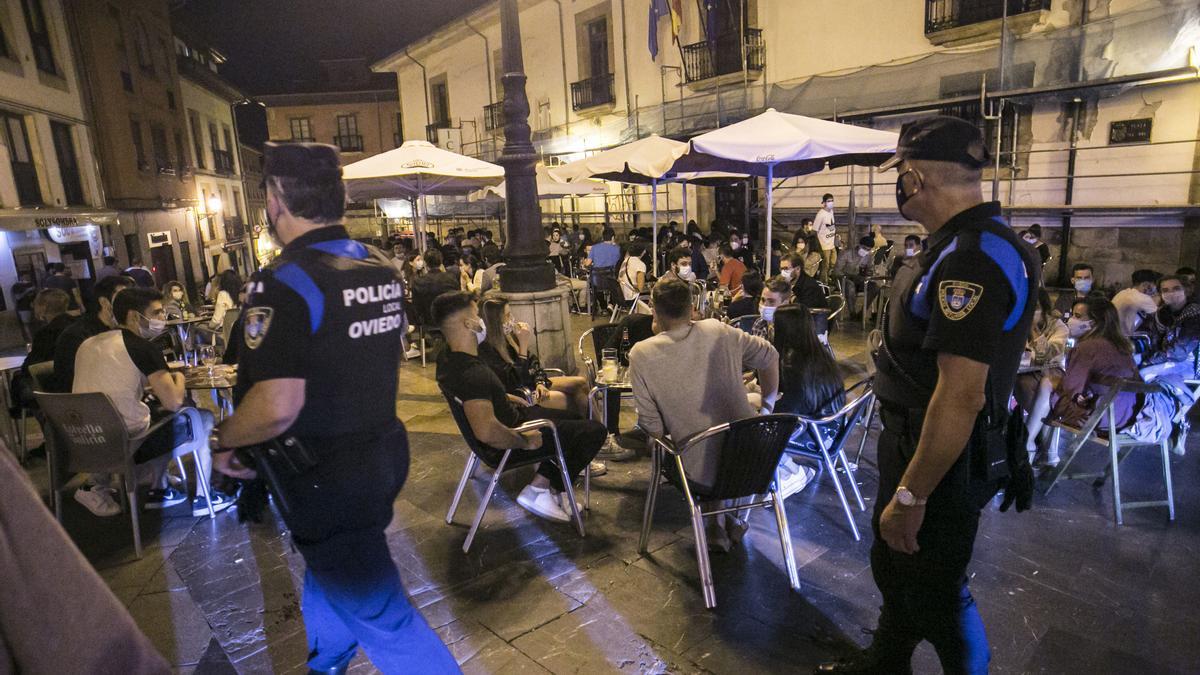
x=312, y=161
x=941, y=138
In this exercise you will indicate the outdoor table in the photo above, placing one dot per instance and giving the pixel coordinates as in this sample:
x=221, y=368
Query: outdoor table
x=220, y=384
x=9, y=365
x=602, y=386
x=181, y=328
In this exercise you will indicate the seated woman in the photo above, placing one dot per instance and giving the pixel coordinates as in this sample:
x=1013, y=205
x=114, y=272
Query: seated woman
x=506, y=350
x=809, y=385
x=745, y=302
x=1102, y=349
x=229, y=288
x=175, y=301
x=1047, y=338
x=470, y=275
x=632, y=276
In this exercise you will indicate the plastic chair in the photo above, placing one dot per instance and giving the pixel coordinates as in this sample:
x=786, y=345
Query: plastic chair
x=504, y=460
x=830, y=451
x=1119, y=446
x=748, y=457
x=89, y=436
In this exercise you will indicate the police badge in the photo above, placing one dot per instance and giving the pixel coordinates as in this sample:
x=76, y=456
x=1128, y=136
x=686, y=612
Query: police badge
x=255, y=325
x=958, y=298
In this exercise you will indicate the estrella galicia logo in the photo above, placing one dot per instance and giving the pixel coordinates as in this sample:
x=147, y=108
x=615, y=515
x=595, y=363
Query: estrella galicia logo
x=256, y=324
x=958, y=298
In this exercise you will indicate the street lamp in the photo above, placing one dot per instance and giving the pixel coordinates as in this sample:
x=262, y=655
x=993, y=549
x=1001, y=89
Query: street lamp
x=214, y=204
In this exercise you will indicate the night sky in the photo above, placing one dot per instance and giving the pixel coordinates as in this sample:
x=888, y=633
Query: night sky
x=271, y=43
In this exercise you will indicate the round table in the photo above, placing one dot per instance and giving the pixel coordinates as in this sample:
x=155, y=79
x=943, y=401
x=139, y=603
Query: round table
x=8, y=366
x=181, y=326
x=221, y=384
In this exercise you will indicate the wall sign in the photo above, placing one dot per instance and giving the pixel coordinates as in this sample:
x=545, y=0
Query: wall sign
x=57, y=221
x=1130, y=131
x=156, y=239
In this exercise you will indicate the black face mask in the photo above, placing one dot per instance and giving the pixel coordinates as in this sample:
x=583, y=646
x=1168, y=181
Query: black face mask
x=902, y=196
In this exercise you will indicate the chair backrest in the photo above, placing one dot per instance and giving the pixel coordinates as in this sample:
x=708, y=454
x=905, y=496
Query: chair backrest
x=745, y=322
x=89, y=433
x=231, y=318
x=42, y=374
x=601, y=334
x=845, y=418
x=464, y=427
x=749, y=454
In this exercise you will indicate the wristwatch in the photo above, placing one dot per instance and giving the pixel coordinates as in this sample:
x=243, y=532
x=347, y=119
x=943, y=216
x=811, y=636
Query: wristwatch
x=905, y=497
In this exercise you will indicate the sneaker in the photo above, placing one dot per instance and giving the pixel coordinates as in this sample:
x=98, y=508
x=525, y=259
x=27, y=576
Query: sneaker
x=598, y=469
x=542, y=503
x=161, y=499
x=794, y=477
x=717, y=537
x=99, y=500
x=566, y=505
x=615, y=453
x=220, y=502
x=414, y=352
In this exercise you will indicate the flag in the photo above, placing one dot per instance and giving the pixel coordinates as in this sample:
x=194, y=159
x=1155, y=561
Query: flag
x=658, y=9
x=676, y=7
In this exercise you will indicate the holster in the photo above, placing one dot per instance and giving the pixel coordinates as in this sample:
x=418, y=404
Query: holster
x=279, y=460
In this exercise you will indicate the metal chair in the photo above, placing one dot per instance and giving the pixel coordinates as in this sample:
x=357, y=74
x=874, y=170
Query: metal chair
x=1119, y=446
x=89, y=436
x=502, y=460
x=700, y=299
x=837, y=301
x=745, y=322
x=749, y=454
x=827, y=449
x=642, y=298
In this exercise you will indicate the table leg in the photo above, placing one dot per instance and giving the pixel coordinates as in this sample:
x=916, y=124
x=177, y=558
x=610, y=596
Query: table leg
x=9, y=430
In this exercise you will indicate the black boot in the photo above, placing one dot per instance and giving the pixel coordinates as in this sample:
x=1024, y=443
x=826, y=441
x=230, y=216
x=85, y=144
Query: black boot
x=886, y=655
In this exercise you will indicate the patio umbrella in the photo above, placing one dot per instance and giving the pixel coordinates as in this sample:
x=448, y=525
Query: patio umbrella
x=549, y=188
x=775, y=144
x=415, y=170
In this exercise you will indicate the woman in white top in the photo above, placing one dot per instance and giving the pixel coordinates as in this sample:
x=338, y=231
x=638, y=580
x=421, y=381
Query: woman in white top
x=229, y=286
x=471, y=274
x=632, y=275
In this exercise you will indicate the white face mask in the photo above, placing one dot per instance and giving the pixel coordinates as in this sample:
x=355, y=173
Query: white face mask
x=768, y=314
x=685, y=272
x=864, y=251
x=1082, y=285
x=480, y=333
x=735, y=245
x=1077, y=327
x=828, y=205
x=1029, y=241
x=153, y=327
x=910, y=252
x=786, y=273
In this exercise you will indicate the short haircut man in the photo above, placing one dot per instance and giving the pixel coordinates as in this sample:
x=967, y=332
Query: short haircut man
x=679, y=254
x=672, y=299
x=1145, y=277
x=133, y=300
x=447, y=305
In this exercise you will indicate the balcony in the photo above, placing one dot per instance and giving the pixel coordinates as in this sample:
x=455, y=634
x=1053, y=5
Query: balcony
x=592, y=92
x=723, y=56
x=235, y=229
x=958, y=21
x=493, y=116
x=222, y=161
x=349, y=143
x=431, y=130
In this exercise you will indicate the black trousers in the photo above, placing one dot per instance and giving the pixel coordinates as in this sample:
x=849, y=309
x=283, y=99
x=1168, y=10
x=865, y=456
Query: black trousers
x=925, y=595
x=581, y=439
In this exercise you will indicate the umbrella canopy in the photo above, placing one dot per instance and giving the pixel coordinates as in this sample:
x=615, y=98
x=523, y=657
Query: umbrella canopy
x=791, y=145
x=549, y=188
x=643, y=161
x=416, y=169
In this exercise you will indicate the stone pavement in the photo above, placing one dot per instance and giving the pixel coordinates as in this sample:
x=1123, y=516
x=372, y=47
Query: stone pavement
x=1061, y=588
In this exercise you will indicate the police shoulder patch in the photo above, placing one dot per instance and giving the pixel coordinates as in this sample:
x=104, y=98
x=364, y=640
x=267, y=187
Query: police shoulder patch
x=255, y=325
x=958, y=298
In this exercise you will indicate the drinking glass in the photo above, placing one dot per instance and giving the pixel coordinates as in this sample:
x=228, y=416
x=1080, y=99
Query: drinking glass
x=610, y=367
x=208, y=356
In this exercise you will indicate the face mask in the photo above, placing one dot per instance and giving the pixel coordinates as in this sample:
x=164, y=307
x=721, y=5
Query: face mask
x=1029, y=241
x=480, y=333
x=735, y=245
x=829, y=205
x=910, y=252
x=768, y=314
x=153, y=327
x=177, y=294
x=1082, y=285
x=1077, y=327
x=786, y=274
x=745, y=240
x=685, y=271
x=1174, y=297
x=863, y=251
x=902, y=196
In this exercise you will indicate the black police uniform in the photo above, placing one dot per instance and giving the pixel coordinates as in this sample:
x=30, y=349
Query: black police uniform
x=329, y=311
x=972, y=294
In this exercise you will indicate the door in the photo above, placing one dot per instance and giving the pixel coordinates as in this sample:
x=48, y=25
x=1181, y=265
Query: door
x=162, y=264
x=597, y=35
x=16, y=137
x=189, y=273
x=68, y=163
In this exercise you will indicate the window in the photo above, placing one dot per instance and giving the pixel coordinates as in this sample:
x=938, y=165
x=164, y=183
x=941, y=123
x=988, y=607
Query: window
x=158, y=139
x=68, y=163
x=228, y=136
x=20, y=157
x=398, y=133
x=197, y=138
x=170, y=99
x=212, y=138
x=122, y=49
x=439, y=98
x=142, y=44
x=597, y=44
x=180, y=155
x=39, y=36
x=139, y=148
x=348, y=138
x=237, y=204
x=301, y=129
x=4, y=44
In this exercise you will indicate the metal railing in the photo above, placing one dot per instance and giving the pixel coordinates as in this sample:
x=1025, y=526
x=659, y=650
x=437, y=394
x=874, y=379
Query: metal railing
x=592, y=92
x=493, y=116
x=349, y=143
x=703, y=60
x=945, y=14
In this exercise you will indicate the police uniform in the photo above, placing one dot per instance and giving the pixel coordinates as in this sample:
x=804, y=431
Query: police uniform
x=329, y=310
x=971, y=294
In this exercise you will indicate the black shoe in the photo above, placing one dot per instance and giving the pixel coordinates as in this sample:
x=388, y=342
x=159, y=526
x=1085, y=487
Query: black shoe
x=877, y=659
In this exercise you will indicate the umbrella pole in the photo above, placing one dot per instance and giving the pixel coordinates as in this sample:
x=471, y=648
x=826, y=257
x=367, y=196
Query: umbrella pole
x=770, y=216
x=423, y=222
x=685, y=218
x=654, y=216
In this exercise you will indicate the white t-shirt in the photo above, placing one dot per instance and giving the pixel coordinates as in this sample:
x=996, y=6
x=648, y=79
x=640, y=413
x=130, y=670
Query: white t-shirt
x=119, y=363
x=826, y=230
x=629, y=273
x=1132, y=305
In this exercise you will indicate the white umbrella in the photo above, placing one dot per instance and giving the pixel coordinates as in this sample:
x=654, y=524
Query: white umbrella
x=417, y=169
x=549, y=188
x=775, y=144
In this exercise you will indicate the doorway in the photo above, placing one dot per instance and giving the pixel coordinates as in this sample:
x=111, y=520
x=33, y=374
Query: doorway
x=162, y=264
x=189, y=274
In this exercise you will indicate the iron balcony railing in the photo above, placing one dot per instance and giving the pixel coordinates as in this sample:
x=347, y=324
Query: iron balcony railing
x=944, y=14
x=592, y=92
x=349, y=143
x=723, y=55
x=493, y=116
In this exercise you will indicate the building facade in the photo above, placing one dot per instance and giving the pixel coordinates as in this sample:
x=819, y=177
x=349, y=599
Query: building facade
x=214, y=156
x=256, y=202
x=51, y=201
x=134, y=93
x=1094, y=106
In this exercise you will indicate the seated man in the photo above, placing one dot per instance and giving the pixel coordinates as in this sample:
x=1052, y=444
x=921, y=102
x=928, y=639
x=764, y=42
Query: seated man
x=124, y=364
x=665, y=408
x=732, y=270
x=1137, y=301
x=805, y=289
x=852, y=270
x=775, y=294
x=435, y=281
x=91, y=323
x=492, y=413
x=746, y=302
x=912, y=248
x=680, y=262
x=1082, y=280
x=1174, y=331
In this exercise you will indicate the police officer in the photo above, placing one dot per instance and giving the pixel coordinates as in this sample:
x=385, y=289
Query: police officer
x=954, y=331
x=317, y=384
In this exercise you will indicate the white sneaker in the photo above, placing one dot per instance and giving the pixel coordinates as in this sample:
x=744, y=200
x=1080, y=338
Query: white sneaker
x=565, y=504
x=542, y=503
x=99, y=500
x=414, y=352
x=794, y=477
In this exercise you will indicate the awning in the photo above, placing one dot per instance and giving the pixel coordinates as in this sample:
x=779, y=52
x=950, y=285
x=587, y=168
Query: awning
x=36, y=218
